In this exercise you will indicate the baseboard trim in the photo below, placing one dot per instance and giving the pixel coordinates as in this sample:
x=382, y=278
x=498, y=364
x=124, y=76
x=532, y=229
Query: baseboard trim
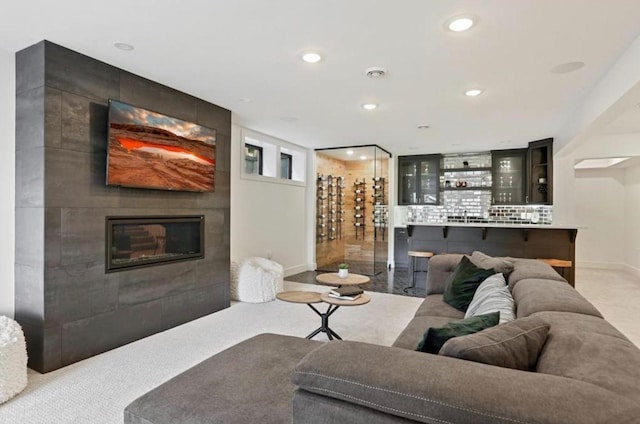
x=293, y=270
x=600, y=265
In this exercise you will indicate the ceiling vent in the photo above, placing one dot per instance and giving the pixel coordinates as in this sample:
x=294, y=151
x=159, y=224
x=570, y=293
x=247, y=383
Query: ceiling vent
x=376, y=72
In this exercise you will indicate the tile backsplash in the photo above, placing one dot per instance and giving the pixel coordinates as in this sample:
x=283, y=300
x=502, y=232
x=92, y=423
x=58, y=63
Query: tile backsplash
x=468, y=211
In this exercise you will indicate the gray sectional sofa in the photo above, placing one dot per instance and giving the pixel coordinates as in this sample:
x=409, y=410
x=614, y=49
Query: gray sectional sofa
x=587, y=372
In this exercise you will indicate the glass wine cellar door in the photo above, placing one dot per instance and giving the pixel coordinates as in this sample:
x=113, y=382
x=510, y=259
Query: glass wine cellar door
x=352, y=209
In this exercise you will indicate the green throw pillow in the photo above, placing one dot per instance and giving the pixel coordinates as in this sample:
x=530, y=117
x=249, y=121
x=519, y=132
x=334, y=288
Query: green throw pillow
x=436, y=337
x=463, y=282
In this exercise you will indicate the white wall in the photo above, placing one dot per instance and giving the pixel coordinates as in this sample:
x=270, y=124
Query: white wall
x=600, y=207
x=267, y=218
x=632, y=215
x=7, y=176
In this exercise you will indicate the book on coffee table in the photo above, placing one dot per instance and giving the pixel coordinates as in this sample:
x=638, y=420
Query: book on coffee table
x=335, y=296
x=347, y=291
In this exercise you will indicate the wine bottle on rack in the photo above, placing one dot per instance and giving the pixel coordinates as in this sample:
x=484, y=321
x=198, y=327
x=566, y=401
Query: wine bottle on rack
x=358, y=224
x=359, y=199
x=358, y=191
x=357, y=216
x=377, y=187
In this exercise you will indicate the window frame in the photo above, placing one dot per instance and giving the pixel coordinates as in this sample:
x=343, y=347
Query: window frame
x=289, y=159
x=260, y=158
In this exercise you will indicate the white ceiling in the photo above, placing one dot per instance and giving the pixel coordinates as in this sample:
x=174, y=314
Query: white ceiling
x=227, y=50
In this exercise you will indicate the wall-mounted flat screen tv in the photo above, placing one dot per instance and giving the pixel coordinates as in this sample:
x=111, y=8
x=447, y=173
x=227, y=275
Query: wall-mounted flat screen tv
x=151, y=150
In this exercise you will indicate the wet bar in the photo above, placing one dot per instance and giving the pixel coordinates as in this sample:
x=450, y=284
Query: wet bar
x=522, y=241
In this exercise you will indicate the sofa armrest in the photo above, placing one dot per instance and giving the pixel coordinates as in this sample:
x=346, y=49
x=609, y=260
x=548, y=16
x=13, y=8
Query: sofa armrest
x=432, y=388
x=440, y=266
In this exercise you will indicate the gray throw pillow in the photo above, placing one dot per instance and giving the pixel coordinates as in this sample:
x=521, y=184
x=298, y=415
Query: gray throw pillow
x=493, y=295
x=481, y=260
x=515, y=344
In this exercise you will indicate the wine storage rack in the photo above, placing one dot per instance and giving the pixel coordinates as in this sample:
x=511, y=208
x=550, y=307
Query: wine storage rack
x=329, y=207
x=359, y=192
x=380, y=209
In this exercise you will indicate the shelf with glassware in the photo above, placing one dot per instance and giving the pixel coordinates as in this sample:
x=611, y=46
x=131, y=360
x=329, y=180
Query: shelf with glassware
x=540, y=172
x=509, y=174
x=465, y=179
x=380, y=209
x=418, y=180
x=359, y=191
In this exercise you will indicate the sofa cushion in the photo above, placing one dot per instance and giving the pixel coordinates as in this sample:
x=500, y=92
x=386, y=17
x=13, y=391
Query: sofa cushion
x=493, y=295
x=515, y=344
x=440, y=267
x=438, y=389
x=414, y=331
x=501, y=265
x=247, y=383
x=531, y=268
x=435, y=337
x=570, y=322
x=434, y=305
x=604, y=361
x=536, y=295
x=463, y=282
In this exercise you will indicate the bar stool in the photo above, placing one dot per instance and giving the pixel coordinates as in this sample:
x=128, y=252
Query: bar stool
x=413, y=254
x=557, y=263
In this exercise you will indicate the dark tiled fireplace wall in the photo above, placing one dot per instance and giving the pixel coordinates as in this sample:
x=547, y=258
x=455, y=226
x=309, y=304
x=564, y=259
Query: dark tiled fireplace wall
x=70, y=309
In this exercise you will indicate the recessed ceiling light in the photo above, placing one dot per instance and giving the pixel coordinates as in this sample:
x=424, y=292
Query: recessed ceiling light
x=363, y=157
x=566, y=67
x=423, y=127
x=311, y=57
x=369, y=106
x=460, y=23
x=124, y=46
x=473, y=92
x=375, y=72
x=245, y=99
x=349, y=152
x=599, y=163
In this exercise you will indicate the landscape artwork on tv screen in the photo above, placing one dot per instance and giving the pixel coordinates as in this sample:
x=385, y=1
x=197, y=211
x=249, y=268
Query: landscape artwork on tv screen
x=151, y=150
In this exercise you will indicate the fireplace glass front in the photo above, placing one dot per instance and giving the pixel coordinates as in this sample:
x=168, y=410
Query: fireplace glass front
x=144, y=241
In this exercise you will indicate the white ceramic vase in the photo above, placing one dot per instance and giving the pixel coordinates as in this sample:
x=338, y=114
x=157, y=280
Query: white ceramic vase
x=343, y=273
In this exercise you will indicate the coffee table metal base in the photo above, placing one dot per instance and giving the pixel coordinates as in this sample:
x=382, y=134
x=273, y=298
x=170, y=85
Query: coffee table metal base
x=324, y=326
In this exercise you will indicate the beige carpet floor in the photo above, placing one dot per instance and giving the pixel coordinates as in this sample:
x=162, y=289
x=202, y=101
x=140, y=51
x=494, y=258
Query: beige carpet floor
x=97, y=390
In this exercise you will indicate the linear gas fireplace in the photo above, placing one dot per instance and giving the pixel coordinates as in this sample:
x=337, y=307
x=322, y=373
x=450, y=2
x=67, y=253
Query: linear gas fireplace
x=134, y=242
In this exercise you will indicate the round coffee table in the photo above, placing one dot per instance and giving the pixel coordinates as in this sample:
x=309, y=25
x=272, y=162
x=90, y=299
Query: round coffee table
x=332, y=279
x=309, y=298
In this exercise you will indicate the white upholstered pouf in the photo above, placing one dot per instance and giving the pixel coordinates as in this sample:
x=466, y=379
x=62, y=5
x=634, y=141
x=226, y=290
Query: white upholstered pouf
x=258, y=280
x=13, y=359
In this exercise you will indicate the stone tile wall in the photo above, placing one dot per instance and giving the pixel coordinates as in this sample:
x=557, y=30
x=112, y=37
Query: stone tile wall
x=68, y=306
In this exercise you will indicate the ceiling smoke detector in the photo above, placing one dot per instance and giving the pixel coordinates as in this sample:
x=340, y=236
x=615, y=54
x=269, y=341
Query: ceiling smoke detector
x=375, y=72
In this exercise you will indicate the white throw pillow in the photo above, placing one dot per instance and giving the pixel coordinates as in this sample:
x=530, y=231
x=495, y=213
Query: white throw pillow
x=493, y=295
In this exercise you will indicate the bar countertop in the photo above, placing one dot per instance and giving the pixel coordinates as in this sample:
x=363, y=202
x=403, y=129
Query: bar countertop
x=491, y=224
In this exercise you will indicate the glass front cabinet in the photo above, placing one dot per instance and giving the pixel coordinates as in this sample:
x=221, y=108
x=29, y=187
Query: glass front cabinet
x=418, y=180
x=509, y=176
